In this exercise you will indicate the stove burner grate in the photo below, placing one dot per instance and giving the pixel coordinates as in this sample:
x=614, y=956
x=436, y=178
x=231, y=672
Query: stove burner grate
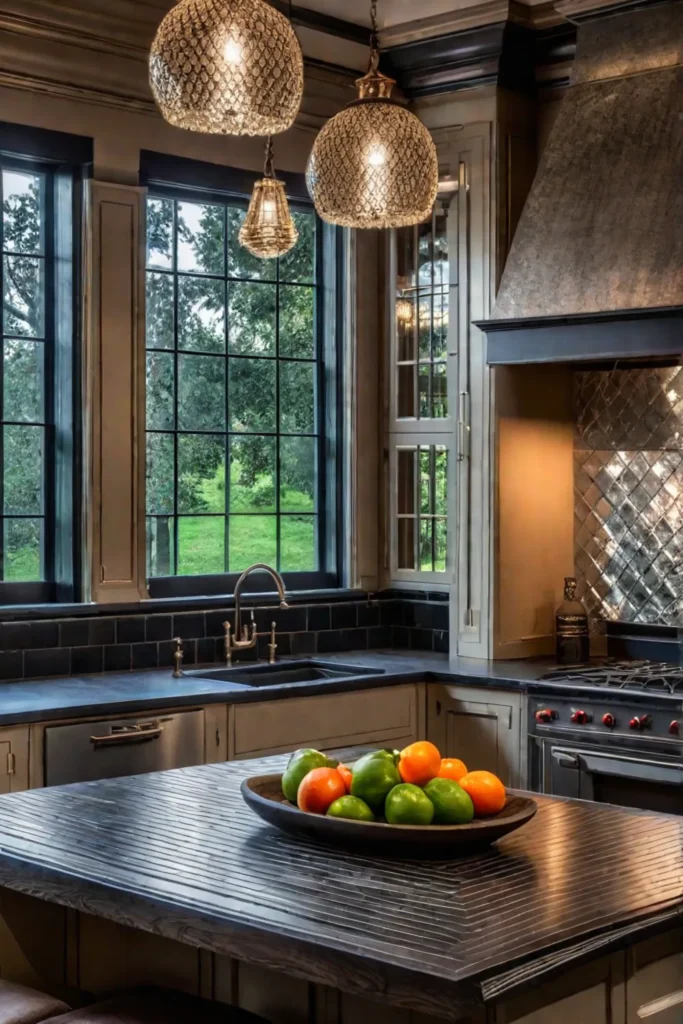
x=623, y=675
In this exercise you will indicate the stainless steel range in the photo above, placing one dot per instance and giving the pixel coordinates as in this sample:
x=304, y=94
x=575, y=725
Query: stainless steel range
x=612, y=733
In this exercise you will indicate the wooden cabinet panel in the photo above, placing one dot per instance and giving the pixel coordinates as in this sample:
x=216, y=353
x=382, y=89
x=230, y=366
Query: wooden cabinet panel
x=654, y=988
x=483, y=727
x=382, y=716
x=14, y=759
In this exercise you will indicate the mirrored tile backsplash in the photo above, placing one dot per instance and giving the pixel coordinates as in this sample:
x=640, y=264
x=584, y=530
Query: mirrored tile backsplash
x=628, y=493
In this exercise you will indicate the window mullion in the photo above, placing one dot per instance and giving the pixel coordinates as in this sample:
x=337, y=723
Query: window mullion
x=176, y=382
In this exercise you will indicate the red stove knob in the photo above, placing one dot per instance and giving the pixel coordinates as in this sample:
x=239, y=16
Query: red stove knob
x=545, y=715
x=675, y=728
x=640, y=722
x=609, y=720
x=579, y=717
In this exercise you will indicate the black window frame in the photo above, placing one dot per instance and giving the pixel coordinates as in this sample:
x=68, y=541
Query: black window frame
x=65, y=161
x=186, y=180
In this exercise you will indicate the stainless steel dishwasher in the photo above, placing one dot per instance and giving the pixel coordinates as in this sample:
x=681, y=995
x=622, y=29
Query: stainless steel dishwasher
x=128, y=746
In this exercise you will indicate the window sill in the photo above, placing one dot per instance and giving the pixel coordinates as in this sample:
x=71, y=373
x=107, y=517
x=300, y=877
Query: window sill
x=153, y=606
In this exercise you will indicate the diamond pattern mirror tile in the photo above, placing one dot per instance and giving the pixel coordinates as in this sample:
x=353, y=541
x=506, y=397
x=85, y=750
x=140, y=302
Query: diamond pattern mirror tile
x=628, y=493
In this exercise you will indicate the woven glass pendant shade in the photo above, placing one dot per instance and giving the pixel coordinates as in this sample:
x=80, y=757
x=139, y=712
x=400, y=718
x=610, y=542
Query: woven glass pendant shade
x=268, y=229
x=227, y=67
x=374, y=164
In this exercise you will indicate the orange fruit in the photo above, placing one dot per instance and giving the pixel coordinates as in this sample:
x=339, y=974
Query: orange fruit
x=347, y=776
x=486, y=791
x=452, y=768
x=320, y=788
x=419, y=763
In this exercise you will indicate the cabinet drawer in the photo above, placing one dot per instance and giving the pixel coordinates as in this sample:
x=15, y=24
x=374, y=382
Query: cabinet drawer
x=325, y=721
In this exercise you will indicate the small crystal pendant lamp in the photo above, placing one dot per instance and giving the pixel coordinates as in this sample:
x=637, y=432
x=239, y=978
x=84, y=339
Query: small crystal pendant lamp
x=268, y=229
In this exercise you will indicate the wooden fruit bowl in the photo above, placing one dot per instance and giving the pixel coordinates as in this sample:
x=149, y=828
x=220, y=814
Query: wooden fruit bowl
x=263, y=793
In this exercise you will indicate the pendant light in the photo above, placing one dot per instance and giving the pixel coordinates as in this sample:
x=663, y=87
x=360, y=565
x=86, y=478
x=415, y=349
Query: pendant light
x=374, y=164
x=227, y=67
x=268, y=229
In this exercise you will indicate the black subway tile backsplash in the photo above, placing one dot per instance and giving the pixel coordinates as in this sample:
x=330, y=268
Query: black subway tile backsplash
x=159, y=627
x=130, y=631
x=343, y=616
x=117, y=657
x=44, y=634
x=318, y=617
x=15, y=636
x=145, y=655
x=11, y=665
x=52, y=647
x=303, y=644
x=189, y=626
x=54, y=661
x=74, y=633
x=368, y=614
x=215, y=622
x=101, y=632
x=85, y=660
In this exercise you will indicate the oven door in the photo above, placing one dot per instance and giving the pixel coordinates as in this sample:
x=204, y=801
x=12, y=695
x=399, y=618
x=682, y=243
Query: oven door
x=628, y=779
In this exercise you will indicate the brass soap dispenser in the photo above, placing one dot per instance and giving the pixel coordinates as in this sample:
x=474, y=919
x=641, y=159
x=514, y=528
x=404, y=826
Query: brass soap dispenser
x=571, y=627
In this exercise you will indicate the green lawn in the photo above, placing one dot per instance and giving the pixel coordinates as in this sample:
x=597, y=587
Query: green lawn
x=252, y=536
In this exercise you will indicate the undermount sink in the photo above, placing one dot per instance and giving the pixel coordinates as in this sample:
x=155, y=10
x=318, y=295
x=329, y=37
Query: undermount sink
x=289, y=672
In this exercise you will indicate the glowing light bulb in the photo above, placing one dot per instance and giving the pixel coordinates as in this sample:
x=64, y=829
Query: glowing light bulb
x=269, y=212
x=232, y=52
x=376, y=156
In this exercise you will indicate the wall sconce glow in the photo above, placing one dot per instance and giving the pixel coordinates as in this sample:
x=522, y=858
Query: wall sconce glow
x=227, y=67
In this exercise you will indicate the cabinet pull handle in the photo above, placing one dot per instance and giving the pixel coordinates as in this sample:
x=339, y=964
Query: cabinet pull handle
x=11, y=764
x=134, y=735
x=659, y=1005
x=438, y=707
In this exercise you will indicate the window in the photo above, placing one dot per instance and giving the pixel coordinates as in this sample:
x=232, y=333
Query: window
x=27, y=353
x=235, y=376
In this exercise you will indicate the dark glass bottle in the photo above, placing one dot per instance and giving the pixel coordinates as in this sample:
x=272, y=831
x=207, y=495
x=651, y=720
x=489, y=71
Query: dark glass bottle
x=571, y=627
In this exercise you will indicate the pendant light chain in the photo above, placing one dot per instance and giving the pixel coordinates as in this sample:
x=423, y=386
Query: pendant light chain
x=268, y=168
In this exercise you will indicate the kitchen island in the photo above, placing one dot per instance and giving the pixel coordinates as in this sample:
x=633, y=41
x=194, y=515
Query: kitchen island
x=170, y=877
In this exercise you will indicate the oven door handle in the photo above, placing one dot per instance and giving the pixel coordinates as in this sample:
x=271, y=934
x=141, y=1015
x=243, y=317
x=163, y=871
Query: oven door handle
x=566, y=760
x=621, y=767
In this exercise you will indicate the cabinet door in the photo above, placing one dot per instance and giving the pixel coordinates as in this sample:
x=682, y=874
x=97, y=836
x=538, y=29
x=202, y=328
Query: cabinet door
x=13, y=759
x=481, y=727
x=381, y=717
x=654, y=989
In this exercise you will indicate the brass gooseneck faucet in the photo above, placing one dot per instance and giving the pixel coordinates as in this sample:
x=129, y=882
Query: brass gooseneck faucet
x=245, y=637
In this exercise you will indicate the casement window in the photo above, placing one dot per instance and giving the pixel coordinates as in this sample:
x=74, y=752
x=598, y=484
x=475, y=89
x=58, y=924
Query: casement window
x=240, y=385
x=38, y=231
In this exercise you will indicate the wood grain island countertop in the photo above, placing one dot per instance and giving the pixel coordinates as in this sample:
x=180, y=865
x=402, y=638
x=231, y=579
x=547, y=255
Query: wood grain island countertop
x=180, y=855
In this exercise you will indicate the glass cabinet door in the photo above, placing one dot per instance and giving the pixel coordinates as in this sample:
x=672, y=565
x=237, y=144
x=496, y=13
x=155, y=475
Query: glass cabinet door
x=421, y=309
x=422, y=377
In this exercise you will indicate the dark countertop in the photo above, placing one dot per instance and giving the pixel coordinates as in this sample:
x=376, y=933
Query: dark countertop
x=113, y=693
x=179, y=854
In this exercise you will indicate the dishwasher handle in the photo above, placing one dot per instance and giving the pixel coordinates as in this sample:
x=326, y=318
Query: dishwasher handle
x=120, y=737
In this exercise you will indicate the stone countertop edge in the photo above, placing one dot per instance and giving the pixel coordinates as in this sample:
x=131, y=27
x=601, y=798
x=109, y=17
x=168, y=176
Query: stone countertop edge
x=111, y=693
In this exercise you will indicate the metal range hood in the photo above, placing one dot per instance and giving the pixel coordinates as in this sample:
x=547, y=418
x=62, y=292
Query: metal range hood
x=595, y=270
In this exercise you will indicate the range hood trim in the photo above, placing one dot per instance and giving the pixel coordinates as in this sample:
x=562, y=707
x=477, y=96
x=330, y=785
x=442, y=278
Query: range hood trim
x=612, y=334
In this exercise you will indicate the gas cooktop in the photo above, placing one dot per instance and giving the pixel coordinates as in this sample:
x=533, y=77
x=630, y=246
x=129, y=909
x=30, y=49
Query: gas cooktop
x=655, y=676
